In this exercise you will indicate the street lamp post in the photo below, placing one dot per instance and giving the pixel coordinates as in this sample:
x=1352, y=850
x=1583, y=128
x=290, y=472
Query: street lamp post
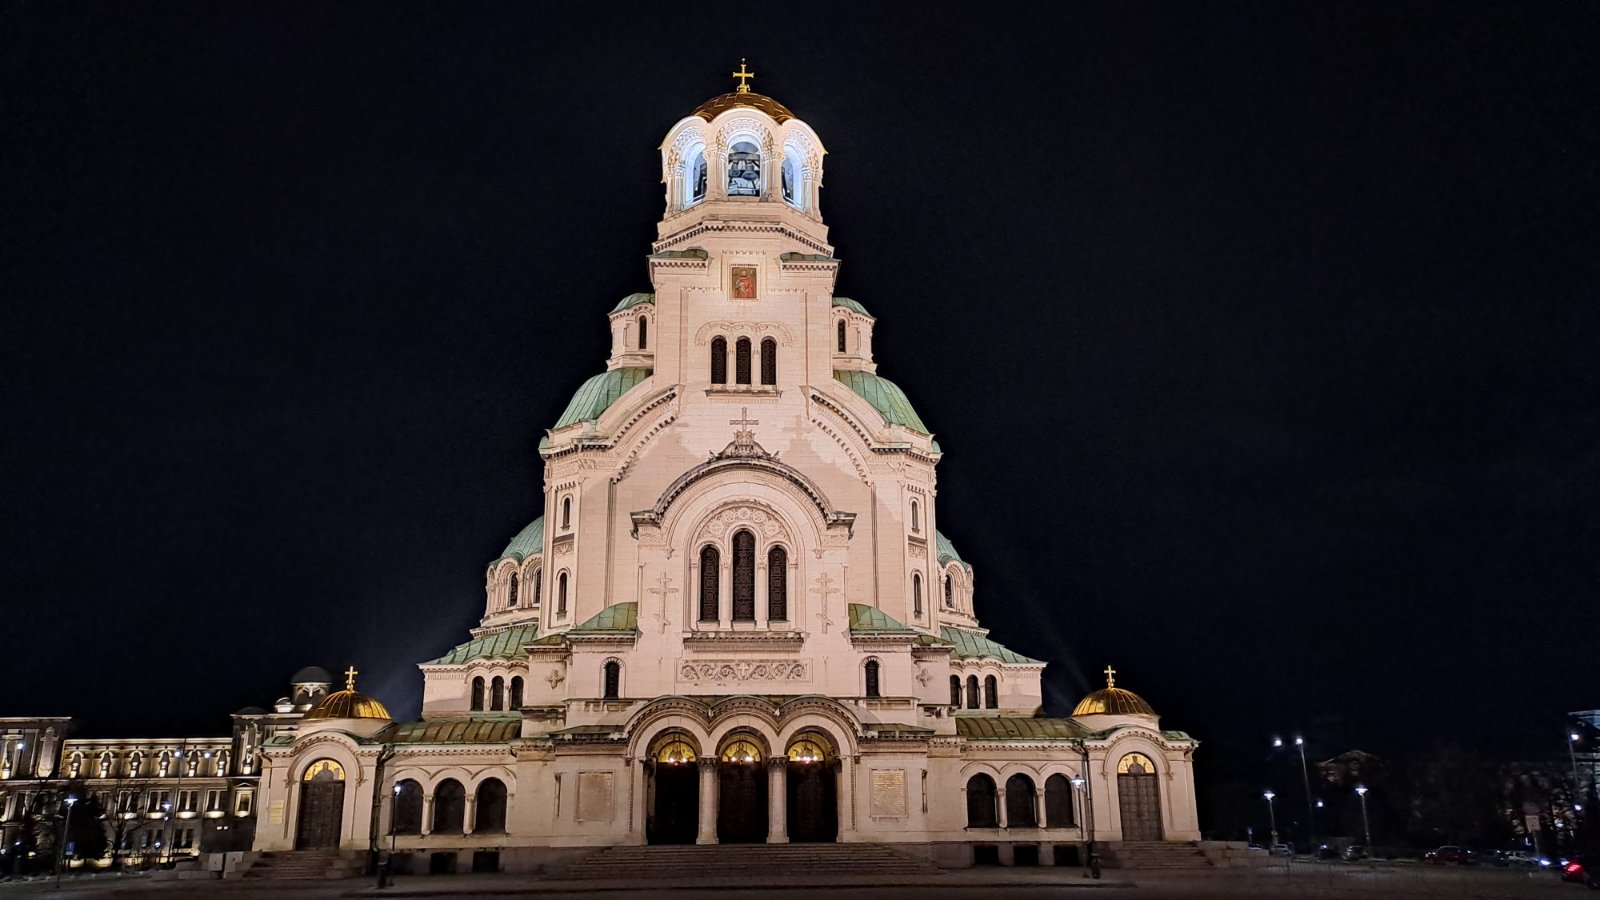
x=166, y=831
x=1305, y=778
x=1367, y=827
x=1272, y=815
x=66, y=829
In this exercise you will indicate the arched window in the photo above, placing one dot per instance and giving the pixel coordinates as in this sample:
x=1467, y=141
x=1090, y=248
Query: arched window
x=644, y=333
x=872, y=679
x=511, y=592
x=613, y=685
x=516, y=692
x=949, y=591
x=777, y=584
x=490, y=814
x=916, y=517
x=973, y=700
x=741, y=361
x=916, y=595
x=477, y=693
x=710, y=573
x=697, y=177
x=744, y=170
x=1021, y=805
x=538, y=583
x=790, y=180
x=981, y=809
x=408, y=808
x=719, y=360
x=561, y=594
x=449, y=807
x=744, y=577
x=769, y=361
x=1058, y=802
x=955, y=691
x=991, y=692
x=566, y=512
x=497, y=694
x=841, y=335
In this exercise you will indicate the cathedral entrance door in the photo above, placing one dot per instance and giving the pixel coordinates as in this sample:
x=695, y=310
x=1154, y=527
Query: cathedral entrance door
x=813, y=811
x=321, y=807
x=1139, y=798
x=741, y=795
x=674, y=803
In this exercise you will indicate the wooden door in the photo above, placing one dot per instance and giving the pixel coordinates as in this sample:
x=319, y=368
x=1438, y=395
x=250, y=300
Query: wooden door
x=742, y=802
x=321, y=812
x=812, y=809
x=1139, y=798
x=674, y=804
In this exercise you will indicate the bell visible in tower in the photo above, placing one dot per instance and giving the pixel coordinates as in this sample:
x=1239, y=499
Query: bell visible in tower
x=744, y=170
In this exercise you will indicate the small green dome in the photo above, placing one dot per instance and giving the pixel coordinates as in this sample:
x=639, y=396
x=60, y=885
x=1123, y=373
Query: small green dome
x=633, y=300
x=528, y=542
x=885, y=396
x=599, y=392
x=853, y=306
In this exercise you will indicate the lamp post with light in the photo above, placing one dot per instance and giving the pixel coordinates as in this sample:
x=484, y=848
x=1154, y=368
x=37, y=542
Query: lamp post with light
x=1366, y=826
x=1272, y=815
x=61, y=848
x=1305, y=778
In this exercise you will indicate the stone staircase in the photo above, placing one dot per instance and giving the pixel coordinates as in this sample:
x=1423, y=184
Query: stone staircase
x=744, y=862
x=1155, y=855
x=303, y=864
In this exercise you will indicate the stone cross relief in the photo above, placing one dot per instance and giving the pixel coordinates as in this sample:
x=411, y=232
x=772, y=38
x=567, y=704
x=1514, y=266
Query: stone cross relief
x=824, y=589
x=555, y=678
x=663, y=592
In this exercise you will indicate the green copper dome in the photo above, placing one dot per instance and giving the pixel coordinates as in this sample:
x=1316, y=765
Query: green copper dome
x=599, y=392
x=633, y=300
x=528, y=542
x=947, y=552
x=853, y=306
x=885, y=396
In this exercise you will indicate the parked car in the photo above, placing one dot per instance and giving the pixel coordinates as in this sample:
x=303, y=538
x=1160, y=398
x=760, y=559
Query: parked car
x=1524, y=859
x=1281, y=850
x=1354, y=852
x=1447, y=854
x=1326, y=851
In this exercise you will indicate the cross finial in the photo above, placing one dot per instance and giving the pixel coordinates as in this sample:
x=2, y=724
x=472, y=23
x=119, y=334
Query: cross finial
x=1111, y=677
x=350, y=678
x=744, y=418
x=743, y=77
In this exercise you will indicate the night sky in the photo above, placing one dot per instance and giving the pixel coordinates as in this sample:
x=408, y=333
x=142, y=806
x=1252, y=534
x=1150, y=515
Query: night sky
x=1261, y=338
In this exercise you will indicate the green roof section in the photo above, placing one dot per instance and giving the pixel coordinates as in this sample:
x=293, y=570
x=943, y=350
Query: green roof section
x=691, y=253
x=853, y=306
x=885, y=396
x=506, y=644
x=1019, y=728
x=599, y=392
x=617, y=618
x=632, y=300
x=947, y=551
x=971, y=645
x=458, y=731
x=530, y=542
x=872, y=620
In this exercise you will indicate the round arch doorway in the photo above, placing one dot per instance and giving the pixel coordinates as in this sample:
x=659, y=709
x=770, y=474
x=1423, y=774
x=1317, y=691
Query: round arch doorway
x=1139, y=798
x=674, y=792
x=741, y=792
x=321, y=807
x=811, y=805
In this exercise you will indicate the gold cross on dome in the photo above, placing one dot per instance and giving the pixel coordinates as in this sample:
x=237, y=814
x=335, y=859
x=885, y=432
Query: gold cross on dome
x=1111, y=677
x=350, y=678
x=743, y=77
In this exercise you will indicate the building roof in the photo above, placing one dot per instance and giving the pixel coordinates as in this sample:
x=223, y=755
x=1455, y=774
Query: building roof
x=852, y=305
x=347, y=704
x=312, y=675
x=633, y=300
x=528, y=542
x=885, y=396
x=1113, y=701
x=947, y=551
x=872, y=620
x=1019, y=728
x=505, y=644
x=457, y=731
x=747, y=99
x=972, y=645
x=598, y=393
x=617, y=618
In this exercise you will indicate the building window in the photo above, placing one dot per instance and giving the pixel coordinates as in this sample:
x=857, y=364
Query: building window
x=408, y=808
x=872, y=679
x=644, y=333
x=769, y=361
x=981, y=809
x=744, y=577
x=1021, y=805
x=511, y=592
x=477, y=693
x=719, y=360
x=949, y=592
x=490, y=814
x=516, y=692
x=214, y=800
x=697, y=177
x=449, y=807
x=777, y=584
x=186, y=799
x=744, y=170
x=973, y=700
x=613, y=685
x=789, y=180
x=561, y=594
x=955, y=691
x=916, y=517
x=538, y=584
x=497, y=694
x=991, y=693
x=1058, y=802
x=741, y=361
x=841, y=335
x=246, y=804
x=916, y=595
x=710, y=573
x=566, y=512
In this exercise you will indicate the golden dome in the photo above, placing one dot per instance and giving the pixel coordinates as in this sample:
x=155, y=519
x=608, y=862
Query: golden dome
x=1112, y=700
x=742, y=96
x=348, y=703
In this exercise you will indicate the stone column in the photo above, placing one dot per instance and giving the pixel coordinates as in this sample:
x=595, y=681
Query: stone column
x=777, y=800
x=708, y=802
x=1000, y=806
x=761, y=579
x=427, y=815
x=1038, y=809
x=469, y=817
x=725, y=589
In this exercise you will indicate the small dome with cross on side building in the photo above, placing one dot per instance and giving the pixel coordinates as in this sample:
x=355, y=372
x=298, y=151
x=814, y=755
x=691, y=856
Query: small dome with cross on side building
x=348, y=709
x=1114, y=701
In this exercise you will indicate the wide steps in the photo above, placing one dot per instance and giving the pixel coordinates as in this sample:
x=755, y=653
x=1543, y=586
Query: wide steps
x=741, y=861
x=302, y=865
x=1159, y=855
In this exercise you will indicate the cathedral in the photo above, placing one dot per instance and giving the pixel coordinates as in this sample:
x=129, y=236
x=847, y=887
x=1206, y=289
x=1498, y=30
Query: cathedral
x=739, y=619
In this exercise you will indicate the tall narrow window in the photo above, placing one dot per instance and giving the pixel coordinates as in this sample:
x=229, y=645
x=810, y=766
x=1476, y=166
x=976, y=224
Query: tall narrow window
x=955, y=691
x=949, y=592
x=516, y=692
x=741, y=361
x=778, y=584
x=511, y=592
x=1021, y=807
x=561, y=594
x=613, y=679
x=744, y=170
x=497, y=694
x=872, y=678
x=991, y=693
x=916, y=595
x=1058, y=802
x=769, y=361
x=841, y=335
x=697, y=183
x=644, y=333
x=719, y=360
x=916, y=516
x=982, y=811
x=974, y=701
x=710, y=573
x=566, y=512
x=538, y=583
x=477, y=693
x=744, y=577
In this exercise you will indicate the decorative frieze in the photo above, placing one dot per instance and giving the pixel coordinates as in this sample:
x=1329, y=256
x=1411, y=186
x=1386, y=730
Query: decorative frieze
x=744, y=670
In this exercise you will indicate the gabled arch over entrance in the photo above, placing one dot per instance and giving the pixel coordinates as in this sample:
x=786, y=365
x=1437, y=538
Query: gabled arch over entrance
x=1139, y=798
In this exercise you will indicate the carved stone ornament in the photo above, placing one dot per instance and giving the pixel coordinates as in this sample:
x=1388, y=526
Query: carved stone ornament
x=744, y=670
x=555, y=678
x=753, y=517
x=919, y=552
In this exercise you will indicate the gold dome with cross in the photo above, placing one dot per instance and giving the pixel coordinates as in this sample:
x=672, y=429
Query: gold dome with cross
x=348, y=703
x=1112, y=700
x=742, y=96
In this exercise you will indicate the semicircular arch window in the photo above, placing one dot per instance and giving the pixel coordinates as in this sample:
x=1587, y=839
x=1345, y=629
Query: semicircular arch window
x=1136, y=764
x=807, y=750
x=741, y=750
x=675, y=752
